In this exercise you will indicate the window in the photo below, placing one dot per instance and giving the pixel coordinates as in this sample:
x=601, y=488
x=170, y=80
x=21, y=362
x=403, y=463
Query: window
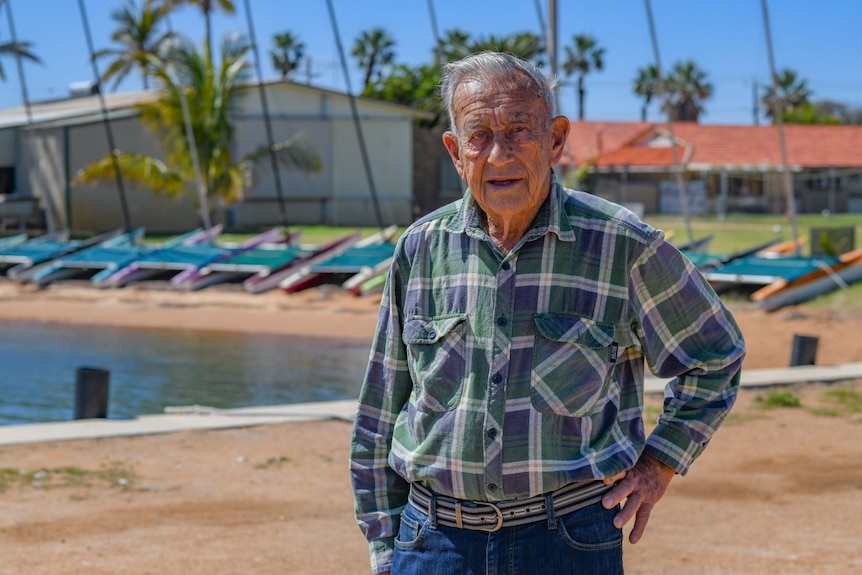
x=7, y=180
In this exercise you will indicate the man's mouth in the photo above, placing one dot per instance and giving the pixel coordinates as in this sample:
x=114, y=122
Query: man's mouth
x=503, y=182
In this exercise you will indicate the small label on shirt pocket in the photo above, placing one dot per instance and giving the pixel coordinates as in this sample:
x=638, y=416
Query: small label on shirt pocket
x=571, y=363
x=437, y=358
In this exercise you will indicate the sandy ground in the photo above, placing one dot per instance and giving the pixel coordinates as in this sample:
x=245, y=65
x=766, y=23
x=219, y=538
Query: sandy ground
x=778, y=490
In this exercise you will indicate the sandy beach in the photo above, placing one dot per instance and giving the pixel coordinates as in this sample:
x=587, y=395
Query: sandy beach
x=778, y=490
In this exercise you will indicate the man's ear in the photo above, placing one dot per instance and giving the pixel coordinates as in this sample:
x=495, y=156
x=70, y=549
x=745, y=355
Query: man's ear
x=450, y=140
x=559, y=132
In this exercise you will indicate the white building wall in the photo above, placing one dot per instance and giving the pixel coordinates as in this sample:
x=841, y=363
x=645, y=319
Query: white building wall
x=338, y=195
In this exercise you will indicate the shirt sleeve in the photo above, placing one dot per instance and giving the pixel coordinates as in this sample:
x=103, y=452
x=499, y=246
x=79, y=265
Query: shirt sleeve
x=379, y=493
x=687, y=335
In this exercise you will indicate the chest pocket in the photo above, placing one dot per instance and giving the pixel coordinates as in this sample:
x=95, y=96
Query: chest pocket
x=571, y=364
x=437, y=359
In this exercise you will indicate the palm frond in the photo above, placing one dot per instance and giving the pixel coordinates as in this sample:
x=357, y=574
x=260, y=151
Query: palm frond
x=146, y=170
x=296, y=153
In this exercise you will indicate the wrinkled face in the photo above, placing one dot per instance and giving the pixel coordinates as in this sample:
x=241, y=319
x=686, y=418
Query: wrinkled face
x=505, y=146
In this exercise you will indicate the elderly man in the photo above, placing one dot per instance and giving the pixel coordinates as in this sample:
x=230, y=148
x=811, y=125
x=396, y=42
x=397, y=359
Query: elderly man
x=500, y=422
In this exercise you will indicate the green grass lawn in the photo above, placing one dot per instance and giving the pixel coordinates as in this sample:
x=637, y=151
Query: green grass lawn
x=740, y=231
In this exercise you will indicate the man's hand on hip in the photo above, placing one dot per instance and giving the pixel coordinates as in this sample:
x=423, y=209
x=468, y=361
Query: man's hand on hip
x=641, y=487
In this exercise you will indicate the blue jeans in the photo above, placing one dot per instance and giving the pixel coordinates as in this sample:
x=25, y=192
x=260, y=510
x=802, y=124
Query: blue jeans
x=583, y=542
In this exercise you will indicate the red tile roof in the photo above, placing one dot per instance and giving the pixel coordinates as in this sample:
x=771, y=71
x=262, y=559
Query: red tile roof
x=626, y=144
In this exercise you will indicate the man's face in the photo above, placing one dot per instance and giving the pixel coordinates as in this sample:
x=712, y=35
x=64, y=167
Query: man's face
x=505, y=146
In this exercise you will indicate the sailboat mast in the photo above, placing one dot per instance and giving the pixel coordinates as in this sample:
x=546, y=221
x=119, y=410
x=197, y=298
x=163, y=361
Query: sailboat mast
x=267, y=119
x=109, y=133
x=680, y=184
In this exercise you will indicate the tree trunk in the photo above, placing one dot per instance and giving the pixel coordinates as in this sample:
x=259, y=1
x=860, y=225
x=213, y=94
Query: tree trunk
x=581, y=97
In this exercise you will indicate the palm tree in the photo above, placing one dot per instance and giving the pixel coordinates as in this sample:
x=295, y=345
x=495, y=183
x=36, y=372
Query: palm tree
x=793, y=92
x=139, y=33
x=582, y=56
x=18, y=50
x=646, y=86
x=525, y=45
x=287, y=53
x=210, y=93
x=207, y=8
x=686, y=89
x=455, y=45
x=373, y=49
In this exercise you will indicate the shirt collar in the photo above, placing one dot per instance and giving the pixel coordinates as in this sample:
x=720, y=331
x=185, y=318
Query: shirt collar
x=551, y=217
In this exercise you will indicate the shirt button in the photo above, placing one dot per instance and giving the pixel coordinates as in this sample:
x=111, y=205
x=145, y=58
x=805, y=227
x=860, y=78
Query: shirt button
x=501, y=321
x=506, y=266
x=492, y=487
x=431, y=335
x=497, y=378
x=492, y=433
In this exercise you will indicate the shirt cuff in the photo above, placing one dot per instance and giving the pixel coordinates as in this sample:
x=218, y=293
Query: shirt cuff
x=673, y=447
x=382, y=551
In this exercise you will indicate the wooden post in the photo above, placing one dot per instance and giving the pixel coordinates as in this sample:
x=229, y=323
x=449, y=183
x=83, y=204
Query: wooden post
x=91, y=393
x=804, y=350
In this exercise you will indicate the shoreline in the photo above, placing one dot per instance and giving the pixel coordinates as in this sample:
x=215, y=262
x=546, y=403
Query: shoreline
x=328, y=312
x=320, y=313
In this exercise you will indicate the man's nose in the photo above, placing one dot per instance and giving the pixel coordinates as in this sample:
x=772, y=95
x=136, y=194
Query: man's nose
x=501, y=149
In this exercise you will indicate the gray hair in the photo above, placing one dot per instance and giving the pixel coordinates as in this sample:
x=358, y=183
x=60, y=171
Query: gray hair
x=490, y=65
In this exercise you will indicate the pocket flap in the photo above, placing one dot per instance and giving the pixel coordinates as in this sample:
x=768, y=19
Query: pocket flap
x=573, y=329
x=430, y=330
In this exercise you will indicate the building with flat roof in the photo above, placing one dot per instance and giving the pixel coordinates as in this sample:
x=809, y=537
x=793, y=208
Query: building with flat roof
x=42, y=151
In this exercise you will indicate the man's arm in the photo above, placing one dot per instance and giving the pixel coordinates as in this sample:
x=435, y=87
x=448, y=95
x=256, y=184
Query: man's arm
x=687, y=334
x=379, y=493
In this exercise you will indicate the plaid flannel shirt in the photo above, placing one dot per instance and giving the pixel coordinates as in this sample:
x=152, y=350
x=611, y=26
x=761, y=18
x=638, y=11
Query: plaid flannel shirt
x=503, y=376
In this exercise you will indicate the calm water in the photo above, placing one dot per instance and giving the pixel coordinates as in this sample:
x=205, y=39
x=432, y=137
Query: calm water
x=152, y=369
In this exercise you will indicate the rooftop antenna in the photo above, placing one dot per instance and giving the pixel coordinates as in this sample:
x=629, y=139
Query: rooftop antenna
x=363, y=149
x=50, y=210
x=266, y=117
x=127, y=219
x=778, y=114
x=680, y=184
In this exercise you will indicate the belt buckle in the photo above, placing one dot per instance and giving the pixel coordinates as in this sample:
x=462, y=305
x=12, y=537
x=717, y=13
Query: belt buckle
x=499, y=513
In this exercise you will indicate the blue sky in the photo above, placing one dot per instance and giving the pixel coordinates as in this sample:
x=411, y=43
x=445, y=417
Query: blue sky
x=819, y=39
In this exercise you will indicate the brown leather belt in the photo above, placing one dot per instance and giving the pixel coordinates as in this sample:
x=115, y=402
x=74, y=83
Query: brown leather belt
x=488, y=516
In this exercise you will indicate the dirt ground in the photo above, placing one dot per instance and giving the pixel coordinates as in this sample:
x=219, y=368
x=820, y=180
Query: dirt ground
x=778, y=490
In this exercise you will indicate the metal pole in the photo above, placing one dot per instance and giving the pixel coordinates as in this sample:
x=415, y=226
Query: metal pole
x=438, y=48
x=680, y=184
x=552, y=43
x=778, y=115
